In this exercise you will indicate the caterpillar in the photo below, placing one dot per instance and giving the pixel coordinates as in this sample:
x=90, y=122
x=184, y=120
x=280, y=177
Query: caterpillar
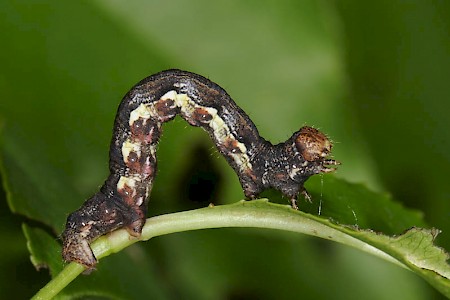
x=122, y=200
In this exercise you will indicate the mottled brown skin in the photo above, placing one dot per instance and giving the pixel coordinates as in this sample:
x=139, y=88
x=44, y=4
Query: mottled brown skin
x=122, y=200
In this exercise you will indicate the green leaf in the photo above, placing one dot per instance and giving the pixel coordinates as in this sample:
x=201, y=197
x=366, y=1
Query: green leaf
x=48, y=190
x=44, y=249
x=355, y=204
x=416, y=250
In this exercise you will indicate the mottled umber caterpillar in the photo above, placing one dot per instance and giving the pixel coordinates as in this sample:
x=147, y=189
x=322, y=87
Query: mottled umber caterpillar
x=122, y=200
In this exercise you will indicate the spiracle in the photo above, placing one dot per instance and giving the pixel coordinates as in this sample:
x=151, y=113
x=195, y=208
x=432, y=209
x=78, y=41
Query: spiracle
x=123, y=198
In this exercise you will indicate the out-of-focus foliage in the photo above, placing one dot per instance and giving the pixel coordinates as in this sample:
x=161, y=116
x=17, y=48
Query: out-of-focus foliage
x=372, y=75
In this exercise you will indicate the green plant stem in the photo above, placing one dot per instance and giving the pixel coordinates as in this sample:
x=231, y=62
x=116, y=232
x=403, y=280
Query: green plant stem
x=257, y=213
x=54, y=286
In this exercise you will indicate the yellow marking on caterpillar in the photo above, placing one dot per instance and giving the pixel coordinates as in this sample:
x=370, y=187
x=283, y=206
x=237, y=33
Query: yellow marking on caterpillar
x=242, y=161
x=221, y=130
x=141, y=111
x=128, y=147
x=172, y=95
x=242, y=147
x=212, y=111
x=127, y=181
x=185, y=103
x=152, y=151
x=146, y=111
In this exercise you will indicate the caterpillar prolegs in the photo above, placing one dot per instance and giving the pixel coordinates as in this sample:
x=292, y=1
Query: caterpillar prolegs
x=122, y=200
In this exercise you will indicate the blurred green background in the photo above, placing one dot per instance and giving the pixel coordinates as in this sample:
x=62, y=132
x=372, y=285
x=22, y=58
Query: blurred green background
x=372, y=75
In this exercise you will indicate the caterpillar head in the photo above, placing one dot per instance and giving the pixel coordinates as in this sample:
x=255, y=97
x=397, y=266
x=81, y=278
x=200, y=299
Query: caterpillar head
x=311, y=148
x=312, y=144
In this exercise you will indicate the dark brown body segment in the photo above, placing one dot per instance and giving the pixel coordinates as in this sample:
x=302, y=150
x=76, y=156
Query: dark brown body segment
x=122, y=200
